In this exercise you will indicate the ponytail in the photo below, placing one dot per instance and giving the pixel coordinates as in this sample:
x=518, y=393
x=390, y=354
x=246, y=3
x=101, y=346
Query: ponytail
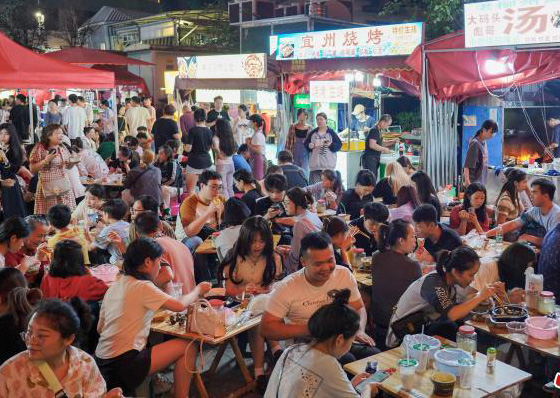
x=389, y=235
x=334, y=225
x=300, y=197
x=136, y=253
x=20, y=302
x=335, y=319
x=247, y=178
x=462, y=259
x=382, y=232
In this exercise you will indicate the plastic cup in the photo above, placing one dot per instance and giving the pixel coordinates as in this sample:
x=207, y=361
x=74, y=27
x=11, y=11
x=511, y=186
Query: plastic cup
x=421, y=352
x=466, y=372
x=176, y=290
x=444, y=383
x=407, y=367
x=244, y=300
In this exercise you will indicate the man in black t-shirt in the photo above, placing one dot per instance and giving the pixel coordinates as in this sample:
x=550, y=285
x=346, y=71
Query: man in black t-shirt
x=217, y=113
x=437, y=236
x=165, y=128
x=375, y=145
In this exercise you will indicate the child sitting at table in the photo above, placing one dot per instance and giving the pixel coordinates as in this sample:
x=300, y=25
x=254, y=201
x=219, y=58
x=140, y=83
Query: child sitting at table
x=251, y=267
x=59, y=217
x=125, y=319
x=113, y=211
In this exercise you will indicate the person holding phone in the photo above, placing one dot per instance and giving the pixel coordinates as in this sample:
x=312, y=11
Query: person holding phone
x=473, y=213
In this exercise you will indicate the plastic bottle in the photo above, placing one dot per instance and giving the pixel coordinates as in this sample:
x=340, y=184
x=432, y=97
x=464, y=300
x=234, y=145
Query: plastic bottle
x=533, y=288
x=490, y=360
x=499, y=237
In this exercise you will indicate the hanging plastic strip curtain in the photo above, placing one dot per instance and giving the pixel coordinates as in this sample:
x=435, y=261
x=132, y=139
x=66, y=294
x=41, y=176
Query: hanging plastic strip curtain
x=439, y=149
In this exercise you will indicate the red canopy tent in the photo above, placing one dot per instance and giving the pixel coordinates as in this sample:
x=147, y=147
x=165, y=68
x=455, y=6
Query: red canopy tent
x=88, y=56
x=125, y=78
x=22, y=68
x=456, y=72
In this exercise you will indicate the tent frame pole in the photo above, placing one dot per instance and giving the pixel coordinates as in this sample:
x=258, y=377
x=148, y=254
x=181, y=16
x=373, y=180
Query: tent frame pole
x=30, y=93
x=116, y=118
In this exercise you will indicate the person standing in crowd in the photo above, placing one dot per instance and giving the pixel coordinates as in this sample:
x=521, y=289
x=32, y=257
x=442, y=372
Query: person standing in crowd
x=217, y=113
x=249, y=188
x=375, y=145
x=19, y=116
x=554, y=123
x=199, y=142
x=406, y=164
x=136, y=116
x=49, y=158
x=241, y=125
x=295, y=141
x=147, y=103
x=375, y=214
x=435, y=295
x=361, y=123
x=473, y=213
x=11, y=160
x=224, y=147
x=538, y=220
x=313, y=368
x=330, y=189
x=122, y=126
x=165, y=128
x=509, y=205
x=392, y=272
x=298, y=203
x=388, y=187
x=256, y=145
x=53, y=115
x=476, y=162
x=295, y=174
x=143, y=180
x=107, y=117
x=171, y=175
x=354, y=199
x=241, y=158
x=426, y=191
x=74, y=118
x=436, y=236
x=86, y=106
x=296, y=297
x=407, y=201
x=16, y=302
x=186, y=121
x=323, y=144
x=5, y=111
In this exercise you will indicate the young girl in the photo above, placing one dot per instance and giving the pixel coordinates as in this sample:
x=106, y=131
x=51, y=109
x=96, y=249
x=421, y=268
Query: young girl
x=426, y=191
x=473, y=213
x=52, y=331
x=125, y=318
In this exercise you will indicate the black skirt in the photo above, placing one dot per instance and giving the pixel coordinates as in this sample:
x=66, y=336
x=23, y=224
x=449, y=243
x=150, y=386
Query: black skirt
x=127, y=370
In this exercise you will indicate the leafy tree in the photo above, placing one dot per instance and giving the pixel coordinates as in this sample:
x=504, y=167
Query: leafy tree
x=18, y=21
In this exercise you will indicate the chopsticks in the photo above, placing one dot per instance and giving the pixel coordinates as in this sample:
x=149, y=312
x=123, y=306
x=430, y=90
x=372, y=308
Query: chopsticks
x=499, y=300
x=357, y=231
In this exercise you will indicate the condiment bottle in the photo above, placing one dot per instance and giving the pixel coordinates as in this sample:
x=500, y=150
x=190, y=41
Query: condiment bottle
x=547, y=302
x=490, y=360
x=466, y=339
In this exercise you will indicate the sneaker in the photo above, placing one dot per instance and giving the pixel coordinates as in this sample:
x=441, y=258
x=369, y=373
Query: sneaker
x=262, y=382
x=161, y=384
x=276, y=356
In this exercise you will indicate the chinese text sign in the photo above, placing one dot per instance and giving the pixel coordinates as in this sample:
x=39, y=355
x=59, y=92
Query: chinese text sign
x=329, y=91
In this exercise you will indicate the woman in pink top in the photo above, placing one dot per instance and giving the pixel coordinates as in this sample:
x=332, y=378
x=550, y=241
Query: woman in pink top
x=175, y=253
x=407, y=201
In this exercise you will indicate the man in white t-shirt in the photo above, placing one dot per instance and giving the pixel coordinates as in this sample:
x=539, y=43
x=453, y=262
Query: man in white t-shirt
x=74, y=118
x=87, y=108
x=137, y=116
x=300, y=294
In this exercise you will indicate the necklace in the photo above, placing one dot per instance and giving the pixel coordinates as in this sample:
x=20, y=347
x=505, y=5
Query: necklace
x=253, y=262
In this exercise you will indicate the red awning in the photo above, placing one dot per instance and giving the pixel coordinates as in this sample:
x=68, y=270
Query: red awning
x=22, y=68
x=125, y=78
x=88, y=56
x=459, y=73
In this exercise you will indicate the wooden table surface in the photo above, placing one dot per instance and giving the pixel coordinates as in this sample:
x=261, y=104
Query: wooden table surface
x=484, y=384
x=174, y=330
x=111, y=184
x=545, y=347
x=363, y=278
x=327, y=213
x=206, y=247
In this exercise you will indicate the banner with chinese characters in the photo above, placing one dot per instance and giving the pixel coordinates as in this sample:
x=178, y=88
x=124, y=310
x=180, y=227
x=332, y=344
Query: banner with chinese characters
x=512, y=22
x=329, y=91
x=371, y=41
x=237, y=66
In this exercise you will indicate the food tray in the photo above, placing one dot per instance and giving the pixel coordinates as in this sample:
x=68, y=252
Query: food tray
x=499, y=316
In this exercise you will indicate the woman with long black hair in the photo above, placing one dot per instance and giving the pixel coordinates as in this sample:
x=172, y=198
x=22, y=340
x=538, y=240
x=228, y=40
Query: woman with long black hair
x=426, y=191
x=224, y=147
x=11, y=160
x=508, y=205
x=476, y=162
x=473, y=213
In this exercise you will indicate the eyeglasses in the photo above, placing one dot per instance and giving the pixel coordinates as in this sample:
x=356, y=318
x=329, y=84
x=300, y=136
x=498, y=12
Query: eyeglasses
x=216, y=187
x=27, y=336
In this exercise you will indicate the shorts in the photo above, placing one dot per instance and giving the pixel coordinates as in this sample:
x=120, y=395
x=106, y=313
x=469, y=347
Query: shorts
x=127, y=370
x=192, y=170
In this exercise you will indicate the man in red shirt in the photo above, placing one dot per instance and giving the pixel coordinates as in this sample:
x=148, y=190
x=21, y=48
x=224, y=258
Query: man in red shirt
x=34, y=245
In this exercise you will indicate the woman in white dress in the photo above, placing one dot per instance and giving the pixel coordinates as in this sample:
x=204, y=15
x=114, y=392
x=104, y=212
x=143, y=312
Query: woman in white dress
x=241, y=125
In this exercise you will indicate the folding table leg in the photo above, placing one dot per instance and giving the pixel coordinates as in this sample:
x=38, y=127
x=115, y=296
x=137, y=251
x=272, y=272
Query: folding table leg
x=217, y=359
x=199, y=384
x=240, y=360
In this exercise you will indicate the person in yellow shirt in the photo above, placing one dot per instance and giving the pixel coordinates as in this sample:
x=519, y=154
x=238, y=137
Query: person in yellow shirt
x=59, y=217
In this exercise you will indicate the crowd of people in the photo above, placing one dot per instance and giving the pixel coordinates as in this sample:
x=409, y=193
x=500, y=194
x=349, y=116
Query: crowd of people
x=271, y=239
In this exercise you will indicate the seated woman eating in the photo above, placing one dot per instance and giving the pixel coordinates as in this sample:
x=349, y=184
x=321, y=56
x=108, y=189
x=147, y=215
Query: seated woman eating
x=125, y=319
x=341, y=239
x=251, y=266
x=432, y=300
x=353, y=200
x=313, y=369
x=473, y=213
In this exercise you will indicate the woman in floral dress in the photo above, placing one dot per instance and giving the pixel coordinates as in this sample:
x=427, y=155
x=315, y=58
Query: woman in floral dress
x=50, y=158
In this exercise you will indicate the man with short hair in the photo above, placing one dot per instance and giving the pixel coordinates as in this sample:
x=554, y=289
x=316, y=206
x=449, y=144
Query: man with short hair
x=137, y=116
x=19, y=116
x=217, y=113
x=375, y=145
x=295, y=174
x=147, y=102
x=539, y=219
x=241, y=158
x=296, y=298
x=87, y=108
x=74, y=119
x=436, y=236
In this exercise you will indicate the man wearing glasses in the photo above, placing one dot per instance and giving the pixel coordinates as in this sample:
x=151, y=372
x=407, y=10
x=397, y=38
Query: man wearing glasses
x=202, y=213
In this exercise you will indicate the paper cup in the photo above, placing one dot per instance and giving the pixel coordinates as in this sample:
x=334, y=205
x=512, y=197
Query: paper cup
x=444, y=383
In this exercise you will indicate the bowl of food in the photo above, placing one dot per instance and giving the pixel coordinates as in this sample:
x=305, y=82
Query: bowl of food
x=516, y=328
x=480, y=313
x=541, y=327
x=500, y=316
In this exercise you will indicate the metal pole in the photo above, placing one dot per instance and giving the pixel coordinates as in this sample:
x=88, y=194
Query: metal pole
x=30, y=103
x=116, y=117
